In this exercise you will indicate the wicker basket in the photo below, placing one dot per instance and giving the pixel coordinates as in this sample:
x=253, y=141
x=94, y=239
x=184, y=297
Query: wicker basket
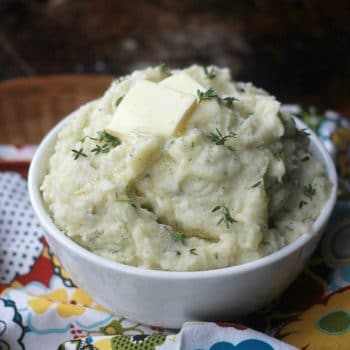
x=30, y=107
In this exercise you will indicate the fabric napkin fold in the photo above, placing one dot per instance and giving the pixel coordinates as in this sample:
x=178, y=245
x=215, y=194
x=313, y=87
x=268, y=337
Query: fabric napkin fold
x=41, y=308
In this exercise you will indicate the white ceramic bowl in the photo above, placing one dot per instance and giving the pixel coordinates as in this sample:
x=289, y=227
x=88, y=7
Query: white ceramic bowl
x=168, y=299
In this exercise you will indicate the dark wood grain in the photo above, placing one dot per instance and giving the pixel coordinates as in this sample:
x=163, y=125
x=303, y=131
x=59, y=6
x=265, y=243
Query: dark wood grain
x=297, y=50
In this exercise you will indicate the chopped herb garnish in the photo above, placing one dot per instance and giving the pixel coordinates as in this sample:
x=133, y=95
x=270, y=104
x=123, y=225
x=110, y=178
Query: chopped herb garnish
x=305, y=159
x=216, y=255
x=309, y=191
x=178, y=252
x=303, y=132
x=218, y=138
x=279, y=155
x=88, y=137
x=228, y=101
x=210, y=93
x=131, y=201
x=108, y=141
x=225, y=215
x=120, y=99
x=164, y=69
x=301, y=204
x=210, y=74
x=193, y=251
x=178, y=237
x=77, y=154
x=108, y=138
x=192, y=144
x=255, y=185
x=206, y=95
x=100, y=149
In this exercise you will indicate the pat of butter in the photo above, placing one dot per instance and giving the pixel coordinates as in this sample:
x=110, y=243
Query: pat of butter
x=204, y=110
x=150, y=108
x=182, y=82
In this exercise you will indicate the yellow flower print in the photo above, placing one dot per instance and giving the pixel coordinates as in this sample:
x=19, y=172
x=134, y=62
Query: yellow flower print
x=65, y=306
x=322, y=326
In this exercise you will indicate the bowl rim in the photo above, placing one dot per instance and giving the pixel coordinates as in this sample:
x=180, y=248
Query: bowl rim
x=51, y=230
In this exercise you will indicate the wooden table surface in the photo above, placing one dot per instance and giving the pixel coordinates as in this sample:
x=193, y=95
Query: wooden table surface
x=297, y=50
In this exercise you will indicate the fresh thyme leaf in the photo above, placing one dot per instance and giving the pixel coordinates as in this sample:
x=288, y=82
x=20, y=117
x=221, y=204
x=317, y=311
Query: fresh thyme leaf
x=216, y=255
x=108, y=138
x=301, y=204
x=255, y=185
x=279, y=155
x=108, y=142
x=178, y=237
x=100, y=149
x=164, y=69
x=210, y=74
x=88, y=137
x=206, y=95
x=305, y=159
x=228, y=101
x=225, y=216
x=120, y=99
x=78, y=153
x=130, y=201
x=218, y=138
x=210, y=93
x=309, y=191
x=216, y=208
x=193, y=251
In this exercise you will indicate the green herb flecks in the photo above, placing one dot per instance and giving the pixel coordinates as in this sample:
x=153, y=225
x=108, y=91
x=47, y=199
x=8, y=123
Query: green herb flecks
x=228, y=100
x=164, y=69
x=78, y=153
x=210, y=74
x=119, y=99
x=302, y=203
x=225, y=216
x=179, y=238
x=131, y=201
x=193, y=251
x=218, y=138
x=309, y=191
x=305, y=159
x=255, y=185
x=112, y=141
x=210, y=93
x=100, y=149
x=279, y=156
x=206, y=95
x=104, y=142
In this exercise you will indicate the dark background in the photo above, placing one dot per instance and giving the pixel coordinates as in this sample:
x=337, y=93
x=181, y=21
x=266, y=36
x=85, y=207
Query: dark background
x=297, y=50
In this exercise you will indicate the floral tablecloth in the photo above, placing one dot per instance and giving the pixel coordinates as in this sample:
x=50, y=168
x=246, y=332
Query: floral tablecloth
x=40, y=307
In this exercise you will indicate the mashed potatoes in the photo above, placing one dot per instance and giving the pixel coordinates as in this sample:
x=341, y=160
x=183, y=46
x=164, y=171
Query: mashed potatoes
x=237, y=183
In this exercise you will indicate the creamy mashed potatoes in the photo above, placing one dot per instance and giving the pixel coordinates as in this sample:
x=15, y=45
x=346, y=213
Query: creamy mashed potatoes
x=237, y=182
